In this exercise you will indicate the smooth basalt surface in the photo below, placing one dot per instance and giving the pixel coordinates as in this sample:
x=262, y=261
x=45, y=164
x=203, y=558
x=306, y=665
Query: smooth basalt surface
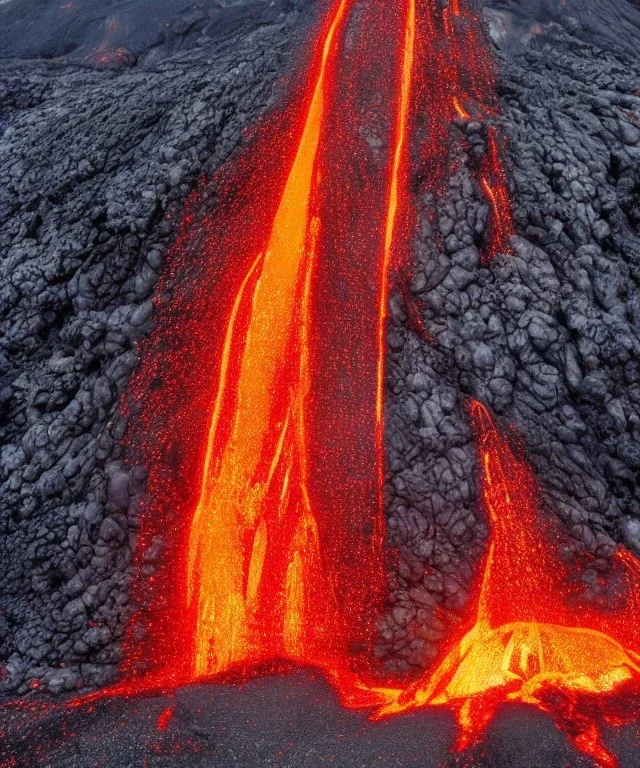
x=294, y=721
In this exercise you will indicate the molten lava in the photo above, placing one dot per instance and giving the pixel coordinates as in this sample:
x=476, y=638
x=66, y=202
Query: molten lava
x=278, y=384
x=534, y=641
x=265, y=443
x=398, y=176
x=273, y=570
x=254, y=552
x=458, y=86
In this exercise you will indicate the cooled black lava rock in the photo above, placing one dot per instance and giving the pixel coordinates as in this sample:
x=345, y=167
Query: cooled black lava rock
x=94, y=168
x=293, y=721
x=128, y=31
x=609, y=24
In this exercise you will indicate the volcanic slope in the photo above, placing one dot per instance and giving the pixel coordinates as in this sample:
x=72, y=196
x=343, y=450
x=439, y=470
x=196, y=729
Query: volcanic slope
x=546, y=336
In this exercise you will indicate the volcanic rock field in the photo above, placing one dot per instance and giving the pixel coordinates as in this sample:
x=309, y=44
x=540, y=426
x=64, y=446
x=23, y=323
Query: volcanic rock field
x=108, y=119
x=95, y=165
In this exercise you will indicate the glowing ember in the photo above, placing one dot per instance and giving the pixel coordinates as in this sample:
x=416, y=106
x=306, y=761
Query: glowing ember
x=495, y=187
x=164, y=718
x=532, y=641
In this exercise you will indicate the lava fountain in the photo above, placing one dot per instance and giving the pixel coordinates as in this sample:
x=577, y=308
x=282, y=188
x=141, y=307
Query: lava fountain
x=536, y=639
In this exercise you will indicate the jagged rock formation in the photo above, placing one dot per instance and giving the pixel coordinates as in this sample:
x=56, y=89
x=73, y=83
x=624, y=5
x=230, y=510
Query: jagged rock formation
x=548, y=336
x=94, y=166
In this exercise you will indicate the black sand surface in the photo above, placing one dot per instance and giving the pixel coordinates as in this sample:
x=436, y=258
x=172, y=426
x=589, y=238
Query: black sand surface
x=285, y=722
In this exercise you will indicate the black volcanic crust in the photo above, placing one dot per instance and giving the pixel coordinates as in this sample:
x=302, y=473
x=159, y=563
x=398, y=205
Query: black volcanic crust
x=147, y=29
x=289, y=722
x=93, y=168
x=150, y=30
x=612, y=24
x=548, y=336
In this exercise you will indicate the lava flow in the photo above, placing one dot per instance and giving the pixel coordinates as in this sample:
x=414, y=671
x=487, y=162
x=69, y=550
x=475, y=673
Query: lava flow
x=536, y=639
x=280, y=563
x=255, y=568
x=262, y=537
x=277, y=562
x=457, y=85
x=278, y=567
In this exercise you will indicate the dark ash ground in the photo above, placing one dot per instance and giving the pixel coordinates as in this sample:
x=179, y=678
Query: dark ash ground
x=107, y=117
x=287, y=722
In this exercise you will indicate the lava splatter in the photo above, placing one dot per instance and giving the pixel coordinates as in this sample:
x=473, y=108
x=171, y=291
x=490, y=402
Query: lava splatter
x=535, y=640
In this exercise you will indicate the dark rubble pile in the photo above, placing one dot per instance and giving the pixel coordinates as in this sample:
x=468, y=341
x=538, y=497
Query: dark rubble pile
x=548, y=337
x=93, y=169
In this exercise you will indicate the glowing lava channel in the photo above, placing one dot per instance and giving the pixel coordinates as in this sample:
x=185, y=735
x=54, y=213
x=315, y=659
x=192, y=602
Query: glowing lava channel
x=272, y=570
x=257, y=573
x=254, y=519
x=397, y=184
x=458, y=86
x=529, y=644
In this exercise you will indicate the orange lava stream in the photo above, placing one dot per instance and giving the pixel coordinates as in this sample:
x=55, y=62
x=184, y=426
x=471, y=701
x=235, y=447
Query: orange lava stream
x=254, y=496
x=257, y=576
x=461, y=86
x=495, y=186
x=529, y=644
x=270, y=558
